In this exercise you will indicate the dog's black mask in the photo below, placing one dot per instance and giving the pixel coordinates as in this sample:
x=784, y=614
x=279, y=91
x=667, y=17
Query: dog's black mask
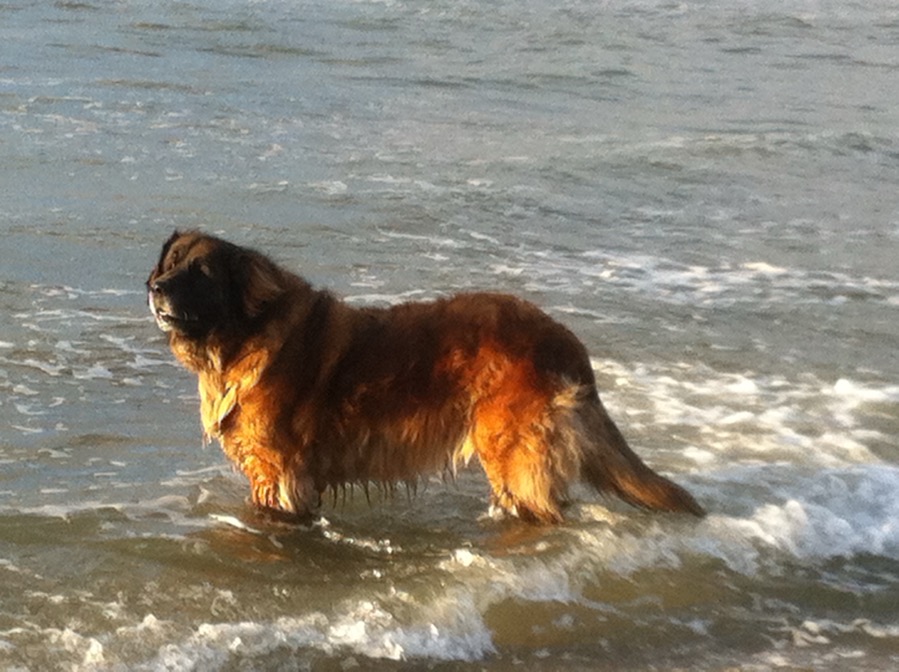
x=188, y=289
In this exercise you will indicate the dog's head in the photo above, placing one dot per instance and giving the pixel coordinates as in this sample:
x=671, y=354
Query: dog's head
x=202, y=284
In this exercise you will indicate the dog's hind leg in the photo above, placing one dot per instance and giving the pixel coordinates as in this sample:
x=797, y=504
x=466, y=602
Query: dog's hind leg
x=528, y=473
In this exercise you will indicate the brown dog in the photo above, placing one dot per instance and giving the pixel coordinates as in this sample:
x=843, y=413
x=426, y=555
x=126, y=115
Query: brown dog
x=307, y=393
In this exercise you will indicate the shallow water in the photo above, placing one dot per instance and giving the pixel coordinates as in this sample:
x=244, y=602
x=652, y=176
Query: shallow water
x=704, y=191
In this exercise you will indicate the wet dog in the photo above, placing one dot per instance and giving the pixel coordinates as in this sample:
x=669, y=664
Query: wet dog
x=306, y=393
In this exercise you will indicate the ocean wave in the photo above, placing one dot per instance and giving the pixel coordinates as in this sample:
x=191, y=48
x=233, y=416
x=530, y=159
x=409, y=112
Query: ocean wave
x=450, y=631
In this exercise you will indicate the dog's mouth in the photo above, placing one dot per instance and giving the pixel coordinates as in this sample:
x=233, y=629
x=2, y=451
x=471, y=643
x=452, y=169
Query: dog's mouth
x=166, y=318
x=169, y=321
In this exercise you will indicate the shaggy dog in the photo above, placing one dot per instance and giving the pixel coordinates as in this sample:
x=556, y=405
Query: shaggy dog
x=306, y=393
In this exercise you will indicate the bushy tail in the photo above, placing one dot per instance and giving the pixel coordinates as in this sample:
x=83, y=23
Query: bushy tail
x=610, y=466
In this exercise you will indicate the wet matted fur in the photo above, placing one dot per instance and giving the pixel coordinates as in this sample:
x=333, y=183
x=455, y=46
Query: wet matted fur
x=306, y=393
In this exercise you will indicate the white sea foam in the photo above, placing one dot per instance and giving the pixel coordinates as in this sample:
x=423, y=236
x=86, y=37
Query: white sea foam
x=807, y=517
x=690, y=284
x=450, y=630
x=27, y=430
x=87, y=650
x=384, y=546
x=744, y=416
x=764, y=268
x=773, y=486
x=92, y=372
x=428, y=240
x=331, y=188
x=389, y=299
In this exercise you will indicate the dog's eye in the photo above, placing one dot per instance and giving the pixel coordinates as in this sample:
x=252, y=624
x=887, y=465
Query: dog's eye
x=200, y=266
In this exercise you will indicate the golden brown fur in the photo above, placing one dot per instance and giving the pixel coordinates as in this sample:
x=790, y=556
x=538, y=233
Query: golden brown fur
x=307, y=393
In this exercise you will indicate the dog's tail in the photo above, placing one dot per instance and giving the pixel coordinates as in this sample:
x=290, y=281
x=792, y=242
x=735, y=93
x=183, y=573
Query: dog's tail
x=610, y=466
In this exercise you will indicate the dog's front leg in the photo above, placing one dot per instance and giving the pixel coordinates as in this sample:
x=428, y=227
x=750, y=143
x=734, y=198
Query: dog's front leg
x=285, y=488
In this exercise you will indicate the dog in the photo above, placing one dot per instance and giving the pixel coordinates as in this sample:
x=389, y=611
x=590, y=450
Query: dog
x=307, y=394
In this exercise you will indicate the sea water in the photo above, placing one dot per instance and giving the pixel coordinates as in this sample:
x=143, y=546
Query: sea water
x=704, y=191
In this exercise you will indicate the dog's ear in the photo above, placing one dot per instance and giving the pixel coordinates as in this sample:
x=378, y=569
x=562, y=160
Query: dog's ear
x=262, y=282
x=160, y=263
x=176, y=234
